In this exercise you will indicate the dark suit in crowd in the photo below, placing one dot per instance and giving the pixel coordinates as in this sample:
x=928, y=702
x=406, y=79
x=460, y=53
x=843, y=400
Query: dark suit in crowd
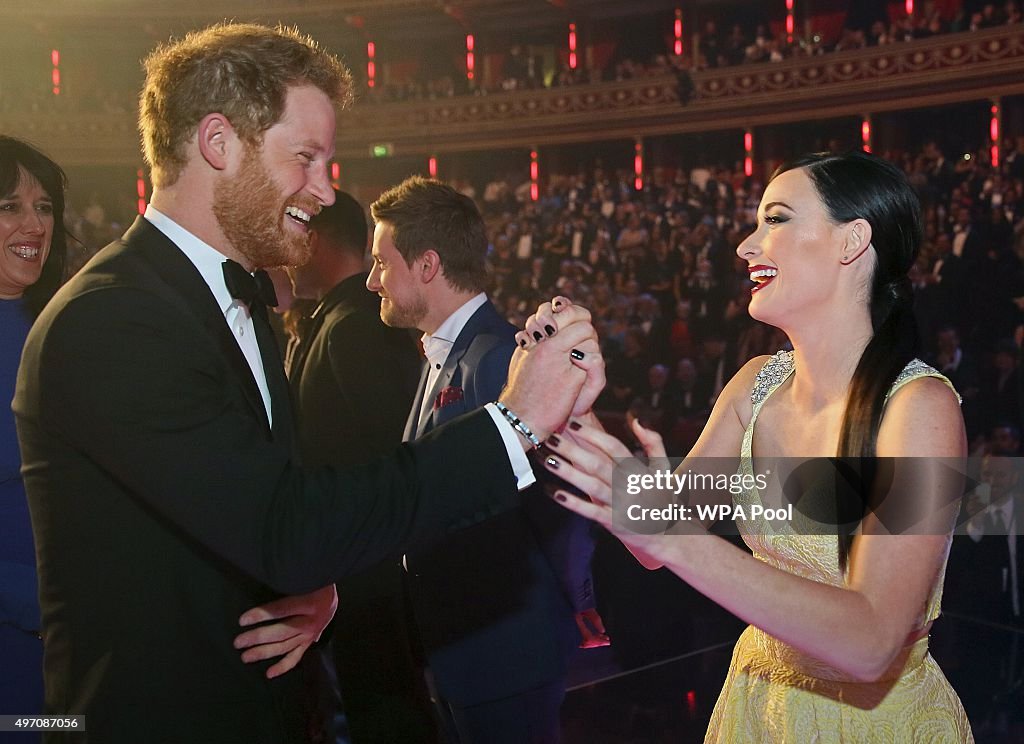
x=353, y=379
x=164, y=506
x=984, y=584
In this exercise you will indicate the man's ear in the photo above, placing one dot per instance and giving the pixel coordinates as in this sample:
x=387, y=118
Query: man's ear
x=858, y=239
x=427, y=265
x=216, y=139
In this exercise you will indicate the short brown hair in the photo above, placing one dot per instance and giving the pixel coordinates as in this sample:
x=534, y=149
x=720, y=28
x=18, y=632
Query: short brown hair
x=241, y=70
x=426, y=214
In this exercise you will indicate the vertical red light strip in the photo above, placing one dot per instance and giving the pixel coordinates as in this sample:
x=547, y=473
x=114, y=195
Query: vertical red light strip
x=865, y=133
x=572, y=46
x=371, y=64
x=534, y=176
x=909, y=5
x=748, y=149
x=638, y=165
x=677, y=30
x=432, y=167
x=336, y=175
x=140, y=190
x=790, y=23
x=993, y=131
x=470, y=57
x=55, y=73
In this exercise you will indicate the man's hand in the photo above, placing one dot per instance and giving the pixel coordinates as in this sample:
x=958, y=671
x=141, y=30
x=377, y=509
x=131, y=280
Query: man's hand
x=558, y=370
x=302, y=617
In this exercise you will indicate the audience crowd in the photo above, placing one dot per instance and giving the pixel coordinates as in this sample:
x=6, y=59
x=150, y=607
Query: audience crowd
x=658, y=269
x=742, y=43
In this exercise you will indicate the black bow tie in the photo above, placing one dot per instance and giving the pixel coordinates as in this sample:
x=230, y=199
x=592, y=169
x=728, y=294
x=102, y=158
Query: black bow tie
x=249, y=288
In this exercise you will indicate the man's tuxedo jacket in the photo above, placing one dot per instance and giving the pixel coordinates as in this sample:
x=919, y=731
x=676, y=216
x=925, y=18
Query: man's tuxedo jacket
x=164, y=507
x=495, y=604
x=352, y=379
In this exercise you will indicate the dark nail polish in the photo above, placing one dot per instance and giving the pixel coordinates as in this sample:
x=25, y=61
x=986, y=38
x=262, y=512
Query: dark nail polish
x=552, y=463
x=559, y=496
x=537, y=335
x=556, y=304
x=575, y=426
x=522, y=342
x=550, y=330
x=577, y=355
x=554, y=441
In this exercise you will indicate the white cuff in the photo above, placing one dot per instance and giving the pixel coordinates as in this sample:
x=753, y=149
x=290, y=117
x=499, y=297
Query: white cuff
x=517, y=458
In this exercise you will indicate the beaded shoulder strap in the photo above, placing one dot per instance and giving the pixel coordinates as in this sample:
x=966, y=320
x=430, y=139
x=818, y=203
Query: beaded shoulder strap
x=916, y=368
x=771, y=375
x=780, y=366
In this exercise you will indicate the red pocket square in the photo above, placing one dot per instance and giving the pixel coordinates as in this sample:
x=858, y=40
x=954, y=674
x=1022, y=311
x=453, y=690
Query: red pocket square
x=447, y=396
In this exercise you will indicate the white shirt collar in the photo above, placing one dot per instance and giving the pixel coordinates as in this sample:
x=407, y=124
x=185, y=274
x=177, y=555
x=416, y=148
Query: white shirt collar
x=437, y=345
x=207, y=259
x=1006, y=509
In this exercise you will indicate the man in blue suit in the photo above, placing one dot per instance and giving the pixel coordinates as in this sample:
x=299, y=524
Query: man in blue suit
x=494, y=607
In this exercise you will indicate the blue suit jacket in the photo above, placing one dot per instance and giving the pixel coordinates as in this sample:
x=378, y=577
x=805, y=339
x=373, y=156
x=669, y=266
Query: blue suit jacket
x=495, y=604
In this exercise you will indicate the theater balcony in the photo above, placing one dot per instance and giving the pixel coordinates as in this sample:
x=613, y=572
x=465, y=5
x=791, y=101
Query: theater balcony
x=951, y=68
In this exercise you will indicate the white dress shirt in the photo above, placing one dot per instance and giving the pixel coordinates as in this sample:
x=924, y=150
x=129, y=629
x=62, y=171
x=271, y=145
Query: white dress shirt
x=437, y=345
x=209, y=262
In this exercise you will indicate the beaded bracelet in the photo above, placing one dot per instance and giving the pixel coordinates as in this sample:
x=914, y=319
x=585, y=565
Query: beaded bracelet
x=517, y=424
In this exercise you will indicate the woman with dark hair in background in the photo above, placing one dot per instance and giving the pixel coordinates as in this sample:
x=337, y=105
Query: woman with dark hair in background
x=837, y=649
x=34, y=248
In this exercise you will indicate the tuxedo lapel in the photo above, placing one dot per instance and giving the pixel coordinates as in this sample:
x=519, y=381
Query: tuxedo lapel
x=444, y=378
x=185, y=281
x=346, y=293
x=448, y=375
x=277, y=383
x=412, y=423
x=308, y=333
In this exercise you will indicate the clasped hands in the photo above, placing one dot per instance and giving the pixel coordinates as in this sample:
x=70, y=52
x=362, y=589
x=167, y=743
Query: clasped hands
x=582, y=453
x=557, y=370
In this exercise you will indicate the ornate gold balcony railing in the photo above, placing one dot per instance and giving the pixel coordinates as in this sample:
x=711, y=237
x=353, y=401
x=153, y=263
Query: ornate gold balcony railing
x=929, y=72
x=941, y=70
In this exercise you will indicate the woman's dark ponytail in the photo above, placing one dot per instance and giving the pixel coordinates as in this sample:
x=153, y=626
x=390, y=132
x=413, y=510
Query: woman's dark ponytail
x=862, y=186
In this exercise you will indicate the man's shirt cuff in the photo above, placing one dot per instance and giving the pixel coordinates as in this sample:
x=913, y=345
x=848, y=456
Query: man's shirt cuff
x=517, y=458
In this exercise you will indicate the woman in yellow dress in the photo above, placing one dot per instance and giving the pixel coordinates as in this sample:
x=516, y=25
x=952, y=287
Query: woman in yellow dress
x=837, y=647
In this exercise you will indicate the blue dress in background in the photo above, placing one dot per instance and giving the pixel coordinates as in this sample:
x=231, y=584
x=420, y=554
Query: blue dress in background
x=21, y=651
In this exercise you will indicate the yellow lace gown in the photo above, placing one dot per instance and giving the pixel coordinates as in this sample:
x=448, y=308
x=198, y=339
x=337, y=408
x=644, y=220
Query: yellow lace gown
x=774, y=693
